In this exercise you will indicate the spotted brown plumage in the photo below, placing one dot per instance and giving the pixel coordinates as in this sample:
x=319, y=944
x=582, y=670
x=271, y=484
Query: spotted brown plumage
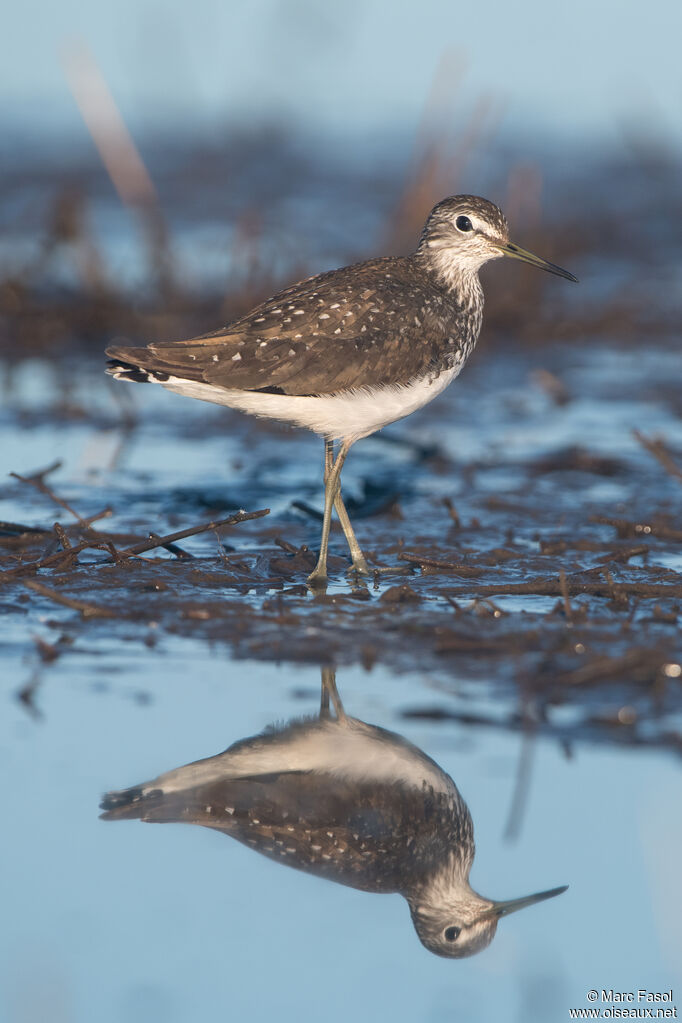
x=349, y=351
x=346, y=801
x=386, y=321
x=376, y=837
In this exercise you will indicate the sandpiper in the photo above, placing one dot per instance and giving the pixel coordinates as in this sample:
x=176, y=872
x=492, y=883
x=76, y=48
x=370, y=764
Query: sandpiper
x=349, y=802
x=345, y=353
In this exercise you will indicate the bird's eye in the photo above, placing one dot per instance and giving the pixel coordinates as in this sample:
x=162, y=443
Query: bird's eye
x=451, y=933
x=463, y=224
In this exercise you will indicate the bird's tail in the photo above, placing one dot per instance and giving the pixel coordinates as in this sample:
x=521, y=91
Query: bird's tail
x=136, y=803
x=156, y=806
x=129, y=364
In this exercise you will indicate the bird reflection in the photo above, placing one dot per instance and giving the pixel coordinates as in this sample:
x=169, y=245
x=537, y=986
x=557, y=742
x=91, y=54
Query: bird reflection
x=347, y=801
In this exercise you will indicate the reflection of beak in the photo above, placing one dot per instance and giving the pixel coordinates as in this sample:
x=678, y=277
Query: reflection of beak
x=505, y=908
x=516, y=253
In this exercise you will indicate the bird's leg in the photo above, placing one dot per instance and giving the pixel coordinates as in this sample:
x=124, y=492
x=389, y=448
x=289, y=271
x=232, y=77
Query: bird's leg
x=359, y=563
x=329, y=689
x=324, y=696
x=319, y=574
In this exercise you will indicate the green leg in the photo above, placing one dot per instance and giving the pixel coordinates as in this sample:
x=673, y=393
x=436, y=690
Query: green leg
x=329, y=689
x=318, y=577
x=359, y=563
x=324, y=695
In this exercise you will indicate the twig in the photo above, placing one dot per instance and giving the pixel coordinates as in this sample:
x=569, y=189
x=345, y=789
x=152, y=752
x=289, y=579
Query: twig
x=521, y=787
x=484, y=602
x=452, y=512
x=172, y=548
x=452, y=642
x=57, y=559
x=567, y=600
x=222, y=553
x=63, y=538
x=86, y=609
x=48, y=652
x=118, y=151
x=37, y=480
x=450, y=566
x=163, y=541
x=626, y=527
x=17, y=529
x=112, y=139
x=657, y=448
x=286, y=546
x=307, y=509
x=624, y=556
x=26, y=694
x=635, y=663
x=617, y=595
x=564, y=733
x=106, y=513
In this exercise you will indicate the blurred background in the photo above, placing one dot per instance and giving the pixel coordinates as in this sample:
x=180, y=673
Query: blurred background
x=588, y=72
x=196, y=155
x=164, y=166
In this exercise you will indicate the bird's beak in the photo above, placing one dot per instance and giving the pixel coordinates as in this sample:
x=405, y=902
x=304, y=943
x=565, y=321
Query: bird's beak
x=499, y=909
x=516, y=253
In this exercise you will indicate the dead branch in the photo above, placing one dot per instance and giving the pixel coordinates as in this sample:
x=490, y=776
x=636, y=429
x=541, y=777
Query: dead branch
x=86, y=609
x=59, y=559
x=37, y=480
x=448, y=566
x=657, y=448
x=565, y=595
x=182, y=534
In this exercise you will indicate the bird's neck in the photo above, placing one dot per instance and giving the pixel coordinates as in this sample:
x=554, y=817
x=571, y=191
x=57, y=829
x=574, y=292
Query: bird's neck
x=446, y=885
x=461, y=282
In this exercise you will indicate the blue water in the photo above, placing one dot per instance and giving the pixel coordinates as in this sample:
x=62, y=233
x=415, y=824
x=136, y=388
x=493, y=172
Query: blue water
x=126, y=921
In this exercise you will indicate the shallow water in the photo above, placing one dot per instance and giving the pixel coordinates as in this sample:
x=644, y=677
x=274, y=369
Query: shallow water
x=129, y=921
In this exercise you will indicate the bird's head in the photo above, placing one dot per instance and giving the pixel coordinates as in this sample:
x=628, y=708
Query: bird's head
x=460, y=923
x=463, y=232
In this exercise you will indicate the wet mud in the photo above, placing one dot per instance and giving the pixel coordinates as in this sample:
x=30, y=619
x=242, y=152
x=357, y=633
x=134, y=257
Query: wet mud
x=539, y=590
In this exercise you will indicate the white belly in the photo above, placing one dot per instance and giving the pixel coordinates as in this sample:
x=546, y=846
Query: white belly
x=350, y=750
x=346, y=416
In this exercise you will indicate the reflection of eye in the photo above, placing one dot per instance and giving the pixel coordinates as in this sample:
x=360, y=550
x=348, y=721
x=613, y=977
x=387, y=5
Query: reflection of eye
x=463, y=224
x=452, y=933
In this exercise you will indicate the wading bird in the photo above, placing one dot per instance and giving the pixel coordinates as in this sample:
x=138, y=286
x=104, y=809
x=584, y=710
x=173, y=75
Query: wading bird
x=349, y=802
x=347, y=352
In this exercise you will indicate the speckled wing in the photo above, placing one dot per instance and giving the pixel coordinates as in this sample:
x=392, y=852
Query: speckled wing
x=377, y=837
x=350, y=328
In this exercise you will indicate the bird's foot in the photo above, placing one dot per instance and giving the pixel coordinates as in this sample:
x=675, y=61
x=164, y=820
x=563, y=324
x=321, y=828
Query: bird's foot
x=361, y=568
x=318, y=580
x=392, y=569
